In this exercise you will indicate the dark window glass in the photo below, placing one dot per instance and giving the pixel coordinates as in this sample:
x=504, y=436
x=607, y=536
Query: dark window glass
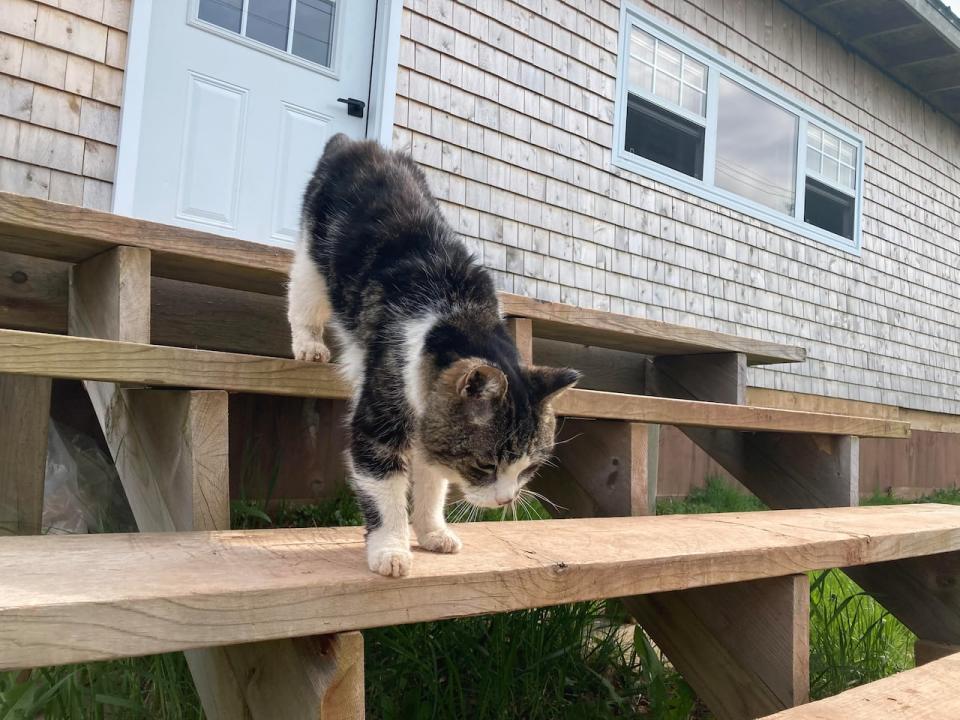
x=829, y=209
x=313, y=30
x=224, y=13
x=663, y=137
x=268, y=21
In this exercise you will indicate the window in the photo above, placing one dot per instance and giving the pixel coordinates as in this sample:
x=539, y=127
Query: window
x=303, y=28
x=694, y=121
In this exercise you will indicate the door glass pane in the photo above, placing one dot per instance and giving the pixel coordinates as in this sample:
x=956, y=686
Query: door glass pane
x=269, y=22
x=756, y=148
x=313, y=30
x=224, y=13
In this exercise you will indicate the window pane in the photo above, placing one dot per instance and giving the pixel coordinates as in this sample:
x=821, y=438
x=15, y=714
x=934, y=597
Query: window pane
x=668, y=59
x=313, y=30
x=831, y=146
x=225, y=13
x=814, y=138
x=848, y=154
x=642, y=45
x=829, y=209
x=664, y=137
x=269, y=21
x=694, y=100
x=813, y=160
x=756, y=148
x=695, y=73
x=667, y=88
x=846, y=177
x=831, y=169
x=641, y=76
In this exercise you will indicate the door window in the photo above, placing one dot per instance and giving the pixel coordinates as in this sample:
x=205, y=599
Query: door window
x=303, y=28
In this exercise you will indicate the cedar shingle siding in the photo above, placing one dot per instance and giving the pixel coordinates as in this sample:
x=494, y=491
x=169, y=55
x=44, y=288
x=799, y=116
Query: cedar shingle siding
x=510, y=107
x=61, y=78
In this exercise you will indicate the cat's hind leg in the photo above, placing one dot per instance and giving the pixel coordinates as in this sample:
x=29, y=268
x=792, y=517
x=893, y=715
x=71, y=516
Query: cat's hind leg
x=429, y=497
x=308, y=308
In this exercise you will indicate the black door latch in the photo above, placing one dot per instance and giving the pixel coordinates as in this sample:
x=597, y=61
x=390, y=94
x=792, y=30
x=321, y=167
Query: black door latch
x=354, y=107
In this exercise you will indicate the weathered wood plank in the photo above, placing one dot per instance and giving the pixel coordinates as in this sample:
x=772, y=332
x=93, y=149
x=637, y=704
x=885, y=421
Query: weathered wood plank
x=26, y=353
x=75, y=598
x=67, y=232
x=556, y=321
x=744, y=647
x=924, y=693
x=23, y=453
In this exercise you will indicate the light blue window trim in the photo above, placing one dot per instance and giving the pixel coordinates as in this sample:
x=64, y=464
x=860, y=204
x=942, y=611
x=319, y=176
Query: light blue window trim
x=630, y=18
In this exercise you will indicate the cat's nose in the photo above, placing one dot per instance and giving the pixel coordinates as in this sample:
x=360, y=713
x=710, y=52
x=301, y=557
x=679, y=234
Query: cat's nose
x=505, y=499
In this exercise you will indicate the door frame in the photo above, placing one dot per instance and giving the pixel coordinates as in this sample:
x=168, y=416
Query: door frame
x=383, y=90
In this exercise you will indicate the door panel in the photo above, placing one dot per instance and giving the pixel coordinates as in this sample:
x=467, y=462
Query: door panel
x=209, y=185
x=302, y=137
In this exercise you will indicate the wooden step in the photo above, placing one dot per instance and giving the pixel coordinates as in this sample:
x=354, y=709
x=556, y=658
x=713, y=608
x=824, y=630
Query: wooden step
x=45, y=229
x=77, y=598
x=59, y=356
x=556, y=321
x=924, y=693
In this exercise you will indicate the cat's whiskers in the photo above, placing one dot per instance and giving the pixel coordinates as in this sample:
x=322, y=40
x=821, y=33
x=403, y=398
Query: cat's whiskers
x=545, y=499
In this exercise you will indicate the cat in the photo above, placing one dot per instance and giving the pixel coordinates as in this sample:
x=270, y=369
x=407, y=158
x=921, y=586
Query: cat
x=439, y=393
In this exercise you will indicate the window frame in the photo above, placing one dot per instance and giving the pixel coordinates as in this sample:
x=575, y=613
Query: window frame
x=632, y=17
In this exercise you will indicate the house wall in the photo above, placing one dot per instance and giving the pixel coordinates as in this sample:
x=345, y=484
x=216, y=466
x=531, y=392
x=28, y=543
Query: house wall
x=61, y=79
x=509, y=106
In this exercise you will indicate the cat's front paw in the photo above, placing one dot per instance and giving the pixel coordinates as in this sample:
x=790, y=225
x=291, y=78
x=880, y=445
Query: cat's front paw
x=307, y=347
x=443, y=540
x=390, y=562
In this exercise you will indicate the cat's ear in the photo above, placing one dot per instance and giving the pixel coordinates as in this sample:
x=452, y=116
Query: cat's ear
x=476, y=381
x=549, y=383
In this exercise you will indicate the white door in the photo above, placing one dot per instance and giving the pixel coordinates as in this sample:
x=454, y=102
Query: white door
x=240, y=97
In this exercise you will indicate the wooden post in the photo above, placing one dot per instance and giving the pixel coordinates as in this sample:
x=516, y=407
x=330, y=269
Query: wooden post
x=522, y=331
x=784, y=470
x=25, y=401
x=744, y=647
x=170, y=449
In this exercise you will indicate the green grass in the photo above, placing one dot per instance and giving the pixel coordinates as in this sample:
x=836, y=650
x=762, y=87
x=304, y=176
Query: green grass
x=716, y=496
x=568, y=661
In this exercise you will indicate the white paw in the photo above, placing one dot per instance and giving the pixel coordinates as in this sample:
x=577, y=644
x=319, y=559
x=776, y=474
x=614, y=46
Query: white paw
x=309, y=348
x=390, y=562
x=443, y=540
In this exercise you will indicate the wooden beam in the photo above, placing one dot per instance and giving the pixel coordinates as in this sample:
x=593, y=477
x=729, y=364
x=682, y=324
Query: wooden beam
x=783, y=470
x=924, y=693
x=601, y=469
x=555, y=321
x=25, y=353
x=922, y=592
x=172, y=591
x=743, y=647
x=23, y=453
x=926, y=651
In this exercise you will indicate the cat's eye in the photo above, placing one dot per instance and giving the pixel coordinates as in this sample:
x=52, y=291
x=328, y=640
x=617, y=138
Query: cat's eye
x=485, y=468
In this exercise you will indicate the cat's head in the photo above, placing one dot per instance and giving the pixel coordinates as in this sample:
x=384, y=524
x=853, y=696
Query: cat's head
x=491, y=429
